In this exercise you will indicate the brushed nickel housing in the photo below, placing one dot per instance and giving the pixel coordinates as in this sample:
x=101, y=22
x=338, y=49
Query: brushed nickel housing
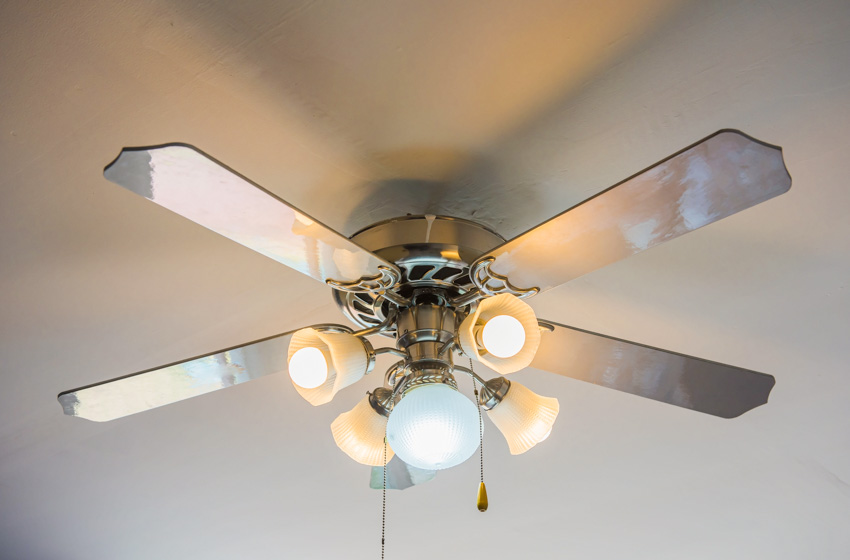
x=434, y=255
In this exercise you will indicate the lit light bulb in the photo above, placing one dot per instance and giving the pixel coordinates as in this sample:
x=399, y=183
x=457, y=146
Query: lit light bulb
x=503, y=336
x=433, y=427
x=308, y=368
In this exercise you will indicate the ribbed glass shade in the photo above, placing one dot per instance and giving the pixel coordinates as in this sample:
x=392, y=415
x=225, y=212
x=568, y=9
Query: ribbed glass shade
x=433, y=427
x=344, y=354
x=524, y=417
x=360, y=434
x=493, y=308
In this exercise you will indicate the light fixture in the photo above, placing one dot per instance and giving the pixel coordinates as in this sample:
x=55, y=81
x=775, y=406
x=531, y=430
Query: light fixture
x=524, y=417
x=308, y=367
x=502, y=333
x=502, y=336
x=433, y=427
x=321, y=362
x=360, y=431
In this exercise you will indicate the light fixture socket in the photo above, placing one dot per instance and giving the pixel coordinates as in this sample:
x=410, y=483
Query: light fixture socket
x=348, y=357
x=381, y=400
x=493, y=391
x=503, y=304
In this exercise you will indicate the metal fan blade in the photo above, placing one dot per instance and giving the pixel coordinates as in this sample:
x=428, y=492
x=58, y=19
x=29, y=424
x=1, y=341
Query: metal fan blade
x=400, y=475
x=182, y=380
x=715, y=178
x=192, y=184
x=685, y=381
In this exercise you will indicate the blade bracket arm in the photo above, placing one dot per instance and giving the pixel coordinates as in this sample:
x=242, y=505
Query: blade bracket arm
x=380, y=285
x=490, y=283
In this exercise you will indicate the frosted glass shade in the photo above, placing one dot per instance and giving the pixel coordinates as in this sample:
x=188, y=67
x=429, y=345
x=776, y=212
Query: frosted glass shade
x=360, y=434
x=524, y=417
x=345, y=356
x=492, y=308
x=433, y=427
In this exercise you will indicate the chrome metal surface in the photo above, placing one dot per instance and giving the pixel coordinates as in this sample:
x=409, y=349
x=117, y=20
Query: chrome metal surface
x=393, y=351
x=422, y=332
x=386, y=324
x=469, y=297
x=176, y=382
x=470, y=373
x=396, y=236
x=371, y=355
x=428, y=376
x=187, y=181
x=386, y=278
x=430, y=251
x=661, y=375
x=493, y=392
x=381, y=401
x=715, y=178
x=332, y=328
x=394, y=373
x=491, y=284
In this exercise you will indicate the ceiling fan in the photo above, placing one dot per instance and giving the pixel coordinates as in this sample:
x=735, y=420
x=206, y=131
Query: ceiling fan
x=441, y=287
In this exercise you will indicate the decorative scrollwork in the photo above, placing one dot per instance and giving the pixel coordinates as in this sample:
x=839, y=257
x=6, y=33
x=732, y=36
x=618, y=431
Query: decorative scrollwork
x=493, y=284
x=384, y=280
x=381, y=285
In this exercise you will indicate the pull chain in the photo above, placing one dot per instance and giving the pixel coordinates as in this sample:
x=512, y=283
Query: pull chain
x=384, y=501
x=482, y=490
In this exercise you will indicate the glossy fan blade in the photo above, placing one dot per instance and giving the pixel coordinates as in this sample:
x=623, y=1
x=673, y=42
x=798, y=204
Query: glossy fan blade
x=176, y=382
x=715, y=178
x=190, y=183
x=400, y=475
x=685, y=381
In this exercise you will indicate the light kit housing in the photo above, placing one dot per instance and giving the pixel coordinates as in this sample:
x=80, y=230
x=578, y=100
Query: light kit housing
x=339, y=357
x=502, y=334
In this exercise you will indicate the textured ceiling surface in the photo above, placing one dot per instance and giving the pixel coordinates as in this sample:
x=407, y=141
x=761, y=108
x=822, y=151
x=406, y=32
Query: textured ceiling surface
x=499, y=111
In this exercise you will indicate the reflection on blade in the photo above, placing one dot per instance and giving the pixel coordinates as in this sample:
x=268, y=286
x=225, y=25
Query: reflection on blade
x=685, y=381
x=721, y=175
x=192, y=184
x=164, y=385
x=400, y=475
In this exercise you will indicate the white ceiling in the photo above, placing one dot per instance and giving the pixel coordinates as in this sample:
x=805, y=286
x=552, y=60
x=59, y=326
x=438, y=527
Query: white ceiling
x=505, y=112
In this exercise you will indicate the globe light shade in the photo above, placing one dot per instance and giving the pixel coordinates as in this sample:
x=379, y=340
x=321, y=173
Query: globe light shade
x=524, y=417
x=433, y=427
x=360, y=434
x=322, y=363
x=502, y=334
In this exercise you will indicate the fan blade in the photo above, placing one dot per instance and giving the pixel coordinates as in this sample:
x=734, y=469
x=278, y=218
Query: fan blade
x=685, y=381
x=192, y=184
x=175, y=382
x=710, y=180
x=400, y=475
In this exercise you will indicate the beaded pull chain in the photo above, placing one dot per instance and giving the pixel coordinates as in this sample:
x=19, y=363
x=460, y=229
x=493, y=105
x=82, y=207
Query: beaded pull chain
x=384, y=501
x=482, y=489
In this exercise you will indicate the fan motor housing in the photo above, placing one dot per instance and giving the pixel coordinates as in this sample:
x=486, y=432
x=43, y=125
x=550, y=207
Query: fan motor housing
x=433, y=254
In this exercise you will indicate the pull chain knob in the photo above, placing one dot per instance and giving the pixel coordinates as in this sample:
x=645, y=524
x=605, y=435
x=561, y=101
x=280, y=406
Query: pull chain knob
x=482, y=497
